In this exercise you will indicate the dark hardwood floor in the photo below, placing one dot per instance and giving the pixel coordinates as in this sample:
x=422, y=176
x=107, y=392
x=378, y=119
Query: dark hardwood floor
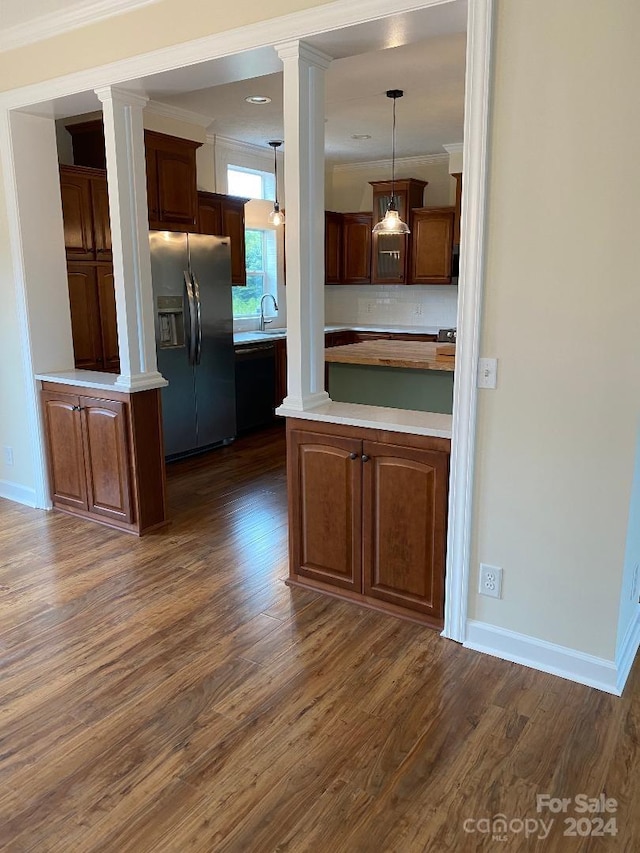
x=170, y=693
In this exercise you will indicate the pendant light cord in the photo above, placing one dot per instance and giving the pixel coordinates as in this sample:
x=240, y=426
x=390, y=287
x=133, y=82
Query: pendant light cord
x=275, y=171
x=393, y=156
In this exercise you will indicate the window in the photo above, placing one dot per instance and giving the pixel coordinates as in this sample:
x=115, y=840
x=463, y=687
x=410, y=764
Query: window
x=260, y=247
x=250, y=183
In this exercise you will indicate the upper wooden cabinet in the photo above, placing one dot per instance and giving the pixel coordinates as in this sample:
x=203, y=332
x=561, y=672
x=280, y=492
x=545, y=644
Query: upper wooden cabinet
x=432, y=245
x=223, y=216
x=390, y=251
x=332, y=247
x=172, y=190
x=356, y=248
x=87, y=232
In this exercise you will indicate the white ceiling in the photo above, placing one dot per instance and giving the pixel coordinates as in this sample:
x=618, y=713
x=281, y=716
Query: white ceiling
x=421, y=52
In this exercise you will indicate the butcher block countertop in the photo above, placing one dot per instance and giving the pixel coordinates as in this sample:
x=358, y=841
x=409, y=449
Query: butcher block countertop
x=419, y=355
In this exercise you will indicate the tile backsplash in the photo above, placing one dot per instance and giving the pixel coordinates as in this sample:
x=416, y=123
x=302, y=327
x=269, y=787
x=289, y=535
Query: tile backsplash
x=398, y=305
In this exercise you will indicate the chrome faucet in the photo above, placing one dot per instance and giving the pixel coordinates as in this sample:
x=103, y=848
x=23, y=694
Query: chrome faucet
x=264, y=322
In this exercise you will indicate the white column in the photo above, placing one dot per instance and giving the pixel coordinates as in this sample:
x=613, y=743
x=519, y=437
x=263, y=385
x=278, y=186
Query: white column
x=126, y=176
x=304, y=108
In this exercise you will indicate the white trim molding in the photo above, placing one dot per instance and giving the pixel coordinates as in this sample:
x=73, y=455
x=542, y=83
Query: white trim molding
x=19, y=494
x=628, y=651
x=558, y=660
x=72, y=18
x=472, y=266
x=454, y=148
x=238, y=146
x=401, y=163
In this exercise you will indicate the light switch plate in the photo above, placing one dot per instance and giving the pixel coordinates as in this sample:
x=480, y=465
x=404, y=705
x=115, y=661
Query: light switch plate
x=487, y=372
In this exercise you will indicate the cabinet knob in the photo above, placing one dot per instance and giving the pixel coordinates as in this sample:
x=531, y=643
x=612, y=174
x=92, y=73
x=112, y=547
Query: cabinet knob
x=353, y=456
x=76, y=408
x=365, y=458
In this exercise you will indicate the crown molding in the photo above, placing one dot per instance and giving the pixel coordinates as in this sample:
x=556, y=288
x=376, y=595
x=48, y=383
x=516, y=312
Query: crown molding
x=454, y=147
x=54, y=23
x=178, y=113
x=244, y=147
x=408, y=162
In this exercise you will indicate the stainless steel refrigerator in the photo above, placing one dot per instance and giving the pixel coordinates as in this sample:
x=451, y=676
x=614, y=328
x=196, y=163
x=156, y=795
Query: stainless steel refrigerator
x=194, y=339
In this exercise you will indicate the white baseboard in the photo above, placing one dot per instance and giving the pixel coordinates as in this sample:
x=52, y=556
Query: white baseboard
x=17, y=493
x=567, y=663
x=627, y=651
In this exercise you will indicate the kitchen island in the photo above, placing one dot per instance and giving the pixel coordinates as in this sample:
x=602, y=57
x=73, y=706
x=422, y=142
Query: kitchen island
x=415, y=375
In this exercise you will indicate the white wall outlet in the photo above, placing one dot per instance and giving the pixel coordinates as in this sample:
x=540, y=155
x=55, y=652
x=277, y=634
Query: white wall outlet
x=490, y=581
x=370, y=307
x=487, y=372
x=8, y=455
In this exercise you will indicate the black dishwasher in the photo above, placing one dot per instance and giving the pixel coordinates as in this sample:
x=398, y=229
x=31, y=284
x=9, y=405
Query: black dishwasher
x=255, y=386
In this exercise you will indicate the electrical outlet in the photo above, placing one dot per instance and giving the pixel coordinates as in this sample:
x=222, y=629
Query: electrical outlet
x=370, y=307
x=487, y=372
x=634, y=582
x=490, y=581
x=8, y=455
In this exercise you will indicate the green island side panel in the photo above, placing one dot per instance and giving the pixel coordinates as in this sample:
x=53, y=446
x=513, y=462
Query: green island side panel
x=397, y=387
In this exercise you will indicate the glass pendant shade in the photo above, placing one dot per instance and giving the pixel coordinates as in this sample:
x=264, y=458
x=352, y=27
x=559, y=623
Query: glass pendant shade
x=276, y=217
x=391, y=222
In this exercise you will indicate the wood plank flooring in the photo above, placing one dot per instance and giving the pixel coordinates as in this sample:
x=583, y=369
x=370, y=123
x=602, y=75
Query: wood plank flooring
x=172, y=694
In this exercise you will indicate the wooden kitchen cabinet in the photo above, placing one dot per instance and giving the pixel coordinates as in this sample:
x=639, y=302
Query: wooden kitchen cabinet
x=223, y=216
x=432, y=245
x=85, y=316
x=356, y=248
x=105, y=455
x=332, y=247
x=368, y=516
x=325, y=494
x=172, y=190
x=390, y=252
x=87, y=230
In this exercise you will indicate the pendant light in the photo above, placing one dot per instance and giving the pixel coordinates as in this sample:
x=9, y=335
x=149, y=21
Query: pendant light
x=276, y=217
x=391, y=222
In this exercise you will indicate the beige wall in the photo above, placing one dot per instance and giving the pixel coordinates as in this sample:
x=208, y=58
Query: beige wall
x=347, y=188
x=556, y=440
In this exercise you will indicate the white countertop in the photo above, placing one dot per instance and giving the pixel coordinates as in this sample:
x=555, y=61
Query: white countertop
x=100, y=381
x=277, y=333
x=376, y=417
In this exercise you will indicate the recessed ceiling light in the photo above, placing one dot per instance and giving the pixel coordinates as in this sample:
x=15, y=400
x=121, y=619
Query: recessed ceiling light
x=361, y=136
x=258, y=99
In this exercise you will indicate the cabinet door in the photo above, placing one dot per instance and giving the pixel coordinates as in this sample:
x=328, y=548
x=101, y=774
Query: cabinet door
x=63, y=432
x=332, y=247
x=75, y=192
x=107, y=458
x=108, y=319
x=210, y=214
x=177, y=193
x=404, y=526
x=101, y=221
x=152, y=184
x=356, y=248
x=432, y=246
x=281, y=371
x=85, y=316
x=233, y=227
x=325, y=476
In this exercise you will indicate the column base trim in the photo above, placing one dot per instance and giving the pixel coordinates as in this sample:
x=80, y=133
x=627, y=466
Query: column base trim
x=305, y=404
x=140, y=382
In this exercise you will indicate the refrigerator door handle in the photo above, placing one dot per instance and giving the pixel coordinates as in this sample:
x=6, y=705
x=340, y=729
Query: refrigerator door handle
x=198, y=343
x=192, y=327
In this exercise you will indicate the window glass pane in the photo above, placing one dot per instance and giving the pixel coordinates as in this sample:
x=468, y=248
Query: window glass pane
x=254, y=249
x=245, y=183
x=246, y=300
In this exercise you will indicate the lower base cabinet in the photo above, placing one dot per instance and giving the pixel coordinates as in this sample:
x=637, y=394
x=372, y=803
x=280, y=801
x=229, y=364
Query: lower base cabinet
x=105, y=455
x=368, y=516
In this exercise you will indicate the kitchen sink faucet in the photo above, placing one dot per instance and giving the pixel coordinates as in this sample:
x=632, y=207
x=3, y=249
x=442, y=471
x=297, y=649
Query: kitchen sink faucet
x=264, y=322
